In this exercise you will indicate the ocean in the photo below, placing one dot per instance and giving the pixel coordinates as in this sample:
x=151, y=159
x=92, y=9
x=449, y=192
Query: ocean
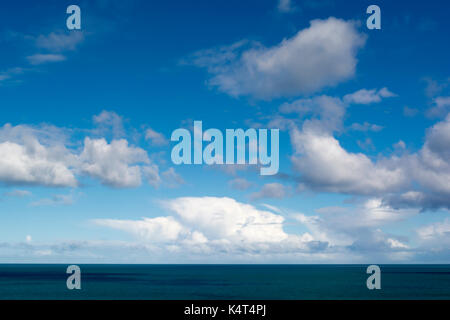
x=223, y=282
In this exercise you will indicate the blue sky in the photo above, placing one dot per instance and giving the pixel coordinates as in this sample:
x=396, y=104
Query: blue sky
x=86, y=120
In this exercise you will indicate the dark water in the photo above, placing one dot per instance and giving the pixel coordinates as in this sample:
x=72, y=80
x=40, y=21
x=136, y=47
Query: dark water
x=224, y=282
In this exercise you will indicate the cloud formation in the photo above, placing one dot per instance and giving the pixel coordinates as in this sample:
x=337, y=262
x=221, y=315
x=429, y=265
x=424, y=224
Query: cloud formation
x=419, y=179
x=212, y=227
x=270, y=190
x=365, y=96
x=27, y=161
x=114, y=164
x=58, y=41
x=46, y=156
x=39, y=58
x=320, y=56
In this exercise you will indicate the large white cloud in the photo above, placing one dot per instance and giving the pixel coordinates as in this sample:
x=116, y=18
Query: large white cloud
x=49, y=156
x=33, y=164
x=211, y=224
x=419, y=179
x=325, y=165
x=35, y=156
x=358, y=229
x=225, y=218
x=208, y=227
x=317, y=57
x=115, y=163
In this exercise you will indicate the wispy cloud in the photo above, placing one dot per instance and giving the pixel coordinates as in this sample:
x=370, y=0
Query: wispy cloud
x=57, y=42
x=38, y=59
x=328, y=49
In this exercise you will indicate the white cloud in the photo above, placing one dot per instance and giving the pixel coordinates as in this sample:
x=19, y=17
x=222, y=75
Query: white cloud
x=435, y=232
x=419, y=179
x=35, y=164
x=171, y=178
x=55, y=200
x=365, y=127
x=57, y=42
x=213, y=227
x=326, y=166
x=434, y=241
x=18, y=193
x=358, y=229
x=285, y=6
x=151, y=173
x=327, y=112
x=320, y=56
x=45, y=58
x=365, y=96
x=114, y=164
x=160, y=229
x=441, y=107
x=109, y=121
x=270, y=190
x=208, y=227
x=156, y=138
x=47, y=156
x=394, y=243
x=227, y=219
x=240, y=184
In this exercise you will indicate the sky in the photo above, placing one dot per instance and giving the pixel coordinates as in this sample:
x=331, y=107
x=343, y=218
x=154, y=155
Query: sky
x=86, y=118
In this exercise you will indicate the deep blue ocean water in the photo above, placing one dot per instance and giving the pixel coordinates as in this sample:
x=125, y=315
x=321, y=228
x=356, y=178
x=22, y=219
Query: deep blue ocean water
x=28, y=281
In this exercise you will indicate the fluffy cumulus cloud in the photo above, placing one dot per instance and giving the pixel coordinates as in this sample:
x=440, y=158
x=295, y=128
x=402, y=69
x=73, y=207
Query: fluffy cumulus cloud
x=430, y=168
x=113, y=163
x=208, y=227
x=325, y=112
x=215, y=226
x=225, y=218
x=47, y=156
x=418, y=179
x=317, y=57
x=358, y=229
x=109, y=122
x=33, y=163
x=325, y=165
x=29, y=158
x=160, y=229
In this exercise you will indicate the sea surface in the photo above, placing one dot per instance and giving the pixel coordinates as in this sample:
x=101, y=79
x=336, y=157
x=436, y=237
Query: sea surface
x=223, y=282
